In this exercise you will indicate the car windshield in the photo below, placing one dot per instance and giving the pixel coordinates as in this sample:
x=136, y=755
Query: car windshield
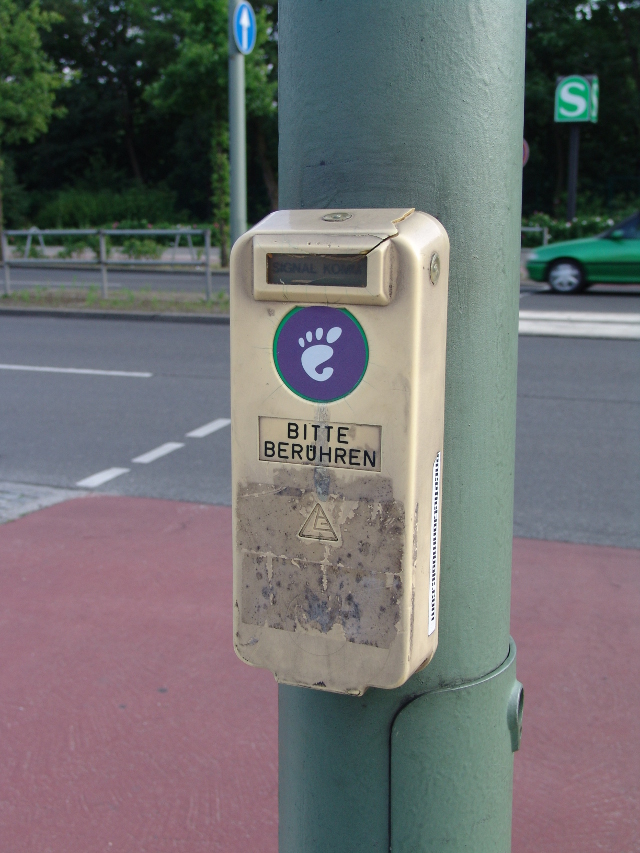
x=630, y=228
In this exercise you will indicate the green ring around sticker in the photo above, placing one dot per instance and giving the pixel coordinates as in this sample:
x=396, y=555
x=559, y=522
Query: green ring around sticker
x=277, y=366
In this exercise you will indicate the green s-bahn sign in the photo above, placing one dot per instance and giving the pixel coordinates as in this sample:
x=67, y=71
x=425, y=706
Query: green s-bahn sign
x=577, y=98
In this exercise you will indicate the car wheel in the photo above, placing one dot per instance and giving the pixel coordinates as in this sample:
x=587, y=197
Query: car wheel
x=566, y=277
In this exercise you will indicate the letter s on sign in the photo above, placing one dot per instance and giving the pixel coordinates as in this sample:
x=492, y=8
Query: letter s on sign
x=576, y=98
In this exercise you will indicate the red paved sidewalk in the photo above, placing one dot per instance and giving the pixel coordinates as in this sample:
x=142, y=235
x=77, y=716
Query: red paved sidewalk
x=576, y=621
x=129, y=725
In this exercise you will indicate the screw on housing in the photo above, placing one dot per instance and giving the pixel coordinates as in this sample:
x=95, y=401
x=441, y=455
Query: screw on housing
x=339, y=216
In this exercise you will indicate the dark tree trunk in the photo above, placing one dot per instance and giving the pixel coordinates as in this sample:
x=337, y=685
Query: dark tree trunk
x=559, y=188
x=131, y=150
x=270, y=180
x=135, y=166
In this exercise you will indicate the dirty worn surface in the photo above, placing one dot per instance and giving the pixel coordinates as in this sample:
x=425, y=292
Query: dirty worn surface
x=322, y=554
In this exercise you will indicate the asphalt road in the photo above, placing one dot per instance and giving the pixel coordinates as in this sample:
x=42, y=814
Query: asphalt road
x=57, y=429
x=578, y=441
x=578, y=438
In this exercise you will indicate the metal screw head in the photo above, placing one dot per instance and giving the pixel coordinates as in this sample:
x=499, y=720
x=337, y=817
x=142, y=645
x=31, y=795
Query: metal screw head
x=434, y=268
x=340, y=216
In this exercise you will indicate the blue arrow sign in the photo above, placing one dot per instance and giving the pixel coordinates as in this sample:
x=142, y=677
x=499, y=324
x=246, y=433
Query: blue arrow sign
x=244, y=27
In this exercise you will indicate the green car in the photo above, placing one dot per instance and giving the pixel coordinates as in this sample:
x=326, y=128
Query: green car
x=574, y=265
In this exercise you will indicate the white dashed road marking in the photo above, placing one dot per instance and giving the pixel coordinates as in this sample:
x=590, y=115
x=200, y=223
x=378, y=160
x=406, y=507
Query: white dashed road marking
x=101, y=477
x=157, y=452
x=81, y=370
x=207, y=429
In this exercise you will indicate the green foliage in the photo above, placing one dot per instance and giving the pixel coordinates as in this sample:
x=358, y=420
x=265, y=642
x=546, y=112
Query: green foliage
x=15, y=197
x=83, y=208
x=28, y=79
x=220, y=192
x=73, y=247
x=586, y=225
x=146, y=106
x=598, y=37
x=197, y=82
x=559, y=229
x=134, y=247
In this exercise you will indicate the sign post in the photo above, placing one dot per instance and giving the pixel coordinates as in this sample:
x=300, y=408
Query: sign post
x=576, y=101
x=242, y=40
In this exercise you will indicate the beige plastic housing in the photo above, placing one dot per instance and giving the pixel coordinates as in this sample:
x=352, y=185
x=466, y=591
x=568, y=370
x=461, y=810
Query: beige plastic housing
x=336, y=568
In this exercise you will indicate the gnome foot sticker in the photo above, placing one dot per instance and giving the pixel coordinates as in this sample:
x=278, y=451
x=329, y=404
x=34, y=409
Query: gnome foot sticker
x=317, y=354
x=321, y=353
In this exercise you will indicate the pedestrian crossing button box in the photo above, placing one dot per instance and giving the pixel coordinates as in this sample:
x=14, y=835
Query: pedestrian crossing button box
x=338, y=344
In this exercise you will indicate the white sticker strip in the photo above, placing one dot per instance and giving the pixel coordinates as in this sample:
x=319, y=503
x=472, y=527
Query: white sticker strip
x=158, y=452
x=207, y=429
x=433, y=565
x=101, y=477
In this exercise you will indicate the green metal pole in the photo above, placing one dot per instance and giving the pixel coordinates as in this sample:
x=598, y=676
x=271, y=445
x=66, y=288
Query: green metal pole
x=420, y=103
x=237, y=138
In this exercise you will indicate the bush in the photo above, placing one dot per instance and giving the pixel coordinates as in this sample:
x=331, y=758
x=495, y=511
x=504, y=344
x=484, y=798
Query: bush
x=559, y=229
x=15, y=197
x=80, y=208
x=581, y=226
x=136, y=248
x=73, y=247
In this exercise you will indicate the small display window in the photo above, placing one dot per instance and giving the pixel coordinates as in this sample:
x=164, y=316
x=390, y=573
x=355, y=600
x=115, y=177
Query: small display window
x=317, y=270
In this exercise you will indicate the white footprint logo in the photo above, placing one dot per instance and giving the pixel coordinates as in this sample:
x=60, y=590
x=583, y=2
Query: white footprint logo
x=314, y=356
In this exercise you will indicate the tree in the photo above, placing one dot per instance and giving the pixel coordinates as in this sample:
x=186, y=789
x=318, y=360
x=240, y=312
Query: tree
x=147, y=103
x=599, y=37
x=28, y=79
x=196, y=83
x=116, y=48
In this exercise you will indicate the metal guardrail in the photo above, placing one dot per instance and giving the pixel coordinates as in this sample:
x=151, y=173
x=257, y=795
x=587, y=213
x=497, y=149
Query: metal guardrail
x=104, y=263
x=543, y=228
x=102, y=260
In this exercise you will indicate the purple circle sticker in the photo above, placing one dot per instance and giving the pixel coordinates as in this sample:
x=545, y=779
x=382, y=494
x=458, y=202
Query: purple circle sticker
x=321, y=353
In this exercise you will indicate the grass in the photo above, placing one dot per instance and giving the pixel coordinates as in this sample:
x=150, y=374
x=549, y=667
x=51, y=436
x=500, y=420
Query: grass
x=118, y=300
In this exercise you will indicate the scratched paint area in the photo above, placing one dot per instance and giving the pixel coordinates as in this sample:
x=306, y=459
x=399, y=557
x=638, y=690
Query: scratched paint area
x=298, y=584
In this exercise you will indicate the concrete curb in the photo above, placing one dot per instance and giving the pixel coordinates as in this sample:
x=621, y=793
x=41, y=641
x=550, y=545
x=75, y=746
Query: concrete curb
x=88, y=314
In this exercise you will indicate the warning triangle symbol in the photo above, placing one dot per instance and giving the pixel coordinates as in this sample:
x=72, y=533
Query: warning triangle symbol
x=318, y=526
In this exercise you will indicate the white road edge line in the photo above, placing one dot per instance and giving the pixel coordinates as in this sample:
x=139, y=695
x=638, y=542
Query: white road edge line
x=207, y=429
x=580, y=324
x=101, y=477
x=81, y=370
x=560, y=329
x=157, y=452
x=582, y=316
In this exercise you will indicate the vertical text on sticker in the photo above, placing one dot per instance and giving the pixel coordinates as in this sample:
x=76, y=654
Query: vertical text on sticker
x=433, y=566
